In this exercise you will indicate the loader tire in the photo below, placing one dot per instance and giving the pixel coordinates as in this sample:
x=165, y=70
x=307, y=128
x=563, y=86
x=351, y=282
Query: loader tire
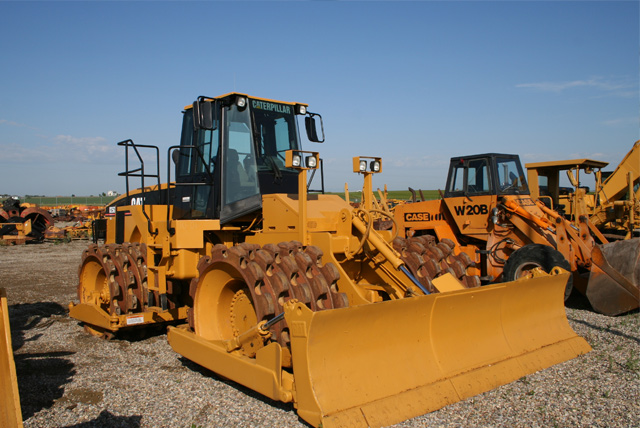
x=532, y=256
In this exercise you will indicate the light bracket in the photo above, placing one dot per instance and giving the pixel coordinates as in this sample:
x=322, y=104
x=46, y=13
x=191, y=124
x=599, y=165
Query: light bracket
x=367, y=164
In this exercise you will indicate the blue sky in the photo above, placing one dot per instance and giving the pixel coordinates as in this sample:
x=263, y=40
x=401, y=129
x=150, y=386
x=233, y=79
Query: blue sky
x=413, y=82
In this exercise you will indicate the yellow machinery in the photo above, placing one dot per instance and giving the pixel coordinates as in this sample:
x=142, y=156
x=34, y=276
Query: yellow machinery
x=614, y=207
x=23, y=223
x=10, y=413
x=16, y=231
x=294, y=294
x=488, y=213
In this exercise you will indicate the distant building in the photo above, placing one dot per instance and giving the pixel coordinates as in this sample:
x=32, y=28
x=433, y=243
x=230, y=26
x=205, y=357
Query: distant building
x=112, y=193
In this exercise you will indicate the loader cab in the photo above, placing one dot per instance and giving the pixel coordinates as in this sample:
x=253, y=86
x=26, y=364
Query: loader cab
x=571, y=201
x=545, y=177
x=486, y=174
x=475, y=185
x=232, y=151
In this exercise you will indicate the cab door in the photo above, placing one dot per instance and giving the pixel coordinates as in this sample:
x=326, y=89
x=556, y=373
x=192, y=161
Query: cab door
x=238, y=170
x=469, y=196
x=195, y=193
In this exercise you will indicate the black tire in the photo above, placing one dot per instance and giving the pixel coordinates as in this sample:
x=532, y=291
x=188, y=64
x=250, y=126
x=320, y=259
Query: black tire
x=536, y=255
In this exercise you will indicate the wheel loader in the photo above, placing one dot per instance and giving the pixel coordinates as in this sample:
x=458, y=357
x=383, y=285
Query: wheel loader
x=293, y=293
x=488, y=213
x=614, y=206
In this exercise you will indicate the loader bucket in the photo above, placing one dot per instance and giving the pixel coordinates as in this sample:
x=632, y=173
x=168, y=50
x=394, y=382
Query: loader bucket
x=615, y=277
x=10, y=413
x=379, y=364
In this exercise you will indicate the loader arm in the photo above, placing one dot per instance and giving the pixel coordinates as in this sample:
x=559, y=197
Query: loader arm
x=616, y=185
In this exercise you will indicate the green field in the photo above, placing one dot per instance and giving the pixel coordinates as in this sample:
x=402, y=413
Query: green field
x=68, y=200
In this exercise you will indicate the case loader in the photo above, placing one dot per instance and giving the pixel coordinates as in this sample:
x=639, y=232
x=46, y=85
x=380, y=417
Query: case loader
x=488, y=213
x=293, y=293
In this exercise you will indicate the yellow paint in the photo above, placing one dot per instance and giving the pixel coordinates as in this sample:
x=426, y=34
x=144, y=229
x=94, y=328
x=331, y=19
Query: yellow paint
x=10, y=412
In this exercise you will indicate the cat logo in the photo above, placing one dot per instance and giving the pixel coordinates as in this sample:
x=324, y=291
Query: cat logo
x=423, y=217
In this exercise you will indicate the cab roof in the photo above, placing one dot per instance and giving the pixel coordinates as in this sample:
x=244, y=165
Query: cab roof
x=236, y=94
x=567, y=164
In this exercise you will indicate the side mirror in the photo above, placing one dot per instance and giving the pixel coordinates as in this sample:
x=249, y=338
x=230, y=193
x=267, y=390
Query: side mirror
x=203, y=112
x=312, y=129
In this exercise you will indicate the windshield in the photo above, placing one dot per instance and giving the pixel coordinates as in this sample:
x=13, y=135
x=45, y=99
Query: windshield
x=275, y=133
x=476, y=180
x=511, y=177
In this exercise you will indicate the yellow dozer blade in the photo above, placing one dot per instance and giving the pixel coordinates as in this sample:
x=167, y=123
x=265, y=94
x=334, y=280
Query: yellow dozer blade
x=10, y=413
x=614, y=279
x=379, y=364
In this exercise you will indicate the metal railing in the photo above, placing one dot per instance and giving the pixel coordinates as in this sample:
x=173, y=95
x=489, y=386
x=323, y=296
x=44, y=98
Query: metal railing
x=140, y=172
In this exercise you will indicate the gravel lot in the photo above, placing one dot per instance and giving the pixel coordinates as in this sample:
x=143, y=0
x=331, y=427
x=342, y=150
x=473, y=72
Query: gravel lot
x=70, y=379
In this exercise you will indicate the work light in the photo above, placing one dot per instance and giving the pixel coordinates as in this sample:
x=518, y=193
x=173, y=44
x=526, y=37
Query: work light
x=311, y=161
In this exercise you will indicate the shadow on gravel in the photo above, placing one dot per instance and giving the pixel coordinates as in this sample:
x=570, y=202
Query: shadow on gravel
x=287, y=407
x=41, y=379
x=27, y=316
x=41, y=375
x=578, y=301
x=107, y=420
x=608, y=329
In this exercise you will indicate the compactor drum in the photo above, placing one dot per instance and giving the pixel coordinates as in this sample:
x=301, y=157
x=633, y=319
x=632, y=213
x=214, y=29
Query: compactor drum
x=293, y=293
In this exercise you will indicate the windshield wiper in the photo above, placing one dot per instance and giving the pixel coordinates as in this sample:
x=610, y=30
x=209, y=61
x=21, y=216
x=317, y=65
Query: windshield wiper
x=275, y=168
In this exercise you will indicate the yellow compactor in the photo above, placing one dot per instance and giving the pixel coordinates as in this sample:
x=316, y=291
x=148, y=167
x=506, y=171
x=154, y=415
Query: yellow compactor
x=291, y=292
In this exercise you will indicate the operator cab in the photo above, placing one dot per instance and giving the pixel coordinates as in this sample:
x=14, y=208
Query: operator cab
x=545, y=179
x=486, y=174
x=232, y=152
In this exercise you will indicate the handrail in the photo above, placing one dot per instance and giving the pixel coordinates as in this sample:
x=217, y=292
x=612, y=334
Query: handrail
x=133, y=173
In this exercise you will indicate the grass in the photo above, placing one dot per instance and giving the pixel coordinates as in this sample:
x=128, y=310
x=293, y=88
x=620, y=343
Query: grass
x=68, y=200
x=633, y=362
x=61, y=241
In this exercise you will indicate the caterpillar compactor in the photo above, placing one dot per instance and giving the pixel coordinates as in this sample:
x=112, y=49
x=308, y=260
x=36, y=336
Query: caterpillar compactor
x=293, y=293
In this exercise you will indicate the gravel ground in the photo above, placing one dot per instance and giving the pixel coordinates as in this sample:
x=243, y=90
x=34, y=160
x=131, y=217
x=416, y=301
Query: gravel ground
x=70, y=379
